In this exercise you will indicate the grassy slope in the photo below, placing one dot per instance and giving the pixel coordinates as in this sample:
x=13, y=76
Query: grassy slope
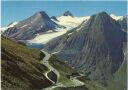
x=119, y=80
x=65, y=70
x=21, y=67
x=92, y=85
x=72, y=88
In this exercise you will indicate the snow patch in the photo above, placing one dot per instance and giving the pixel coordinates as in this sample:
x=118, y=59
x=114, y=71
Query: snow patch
x=116, y=17
x=71, y=21
x=24, y=26
x=9, y=26
x=44, y=38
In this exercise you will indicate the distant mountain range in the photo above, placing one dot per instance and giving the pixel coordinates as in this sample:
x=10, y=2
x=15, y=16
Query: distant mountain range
x=40, y=23
x=34, y=30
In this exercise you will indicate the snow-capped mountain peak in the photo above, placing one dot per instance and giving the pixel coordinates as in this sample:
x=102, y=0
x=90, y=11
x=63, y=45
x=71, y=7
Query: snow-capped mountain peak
x=8, y=26
x=71, y=21
x=116, y=17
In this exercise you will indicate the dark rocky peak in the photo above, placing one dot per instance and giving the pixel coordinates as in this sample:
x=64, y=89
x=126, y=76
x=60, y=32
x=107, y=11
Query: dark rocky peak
x=108, y=26
x=102, y=19
x=105, y=18
x=38, y=17
x=68, y=13
x=54, y=18
x=42, y=14
x=10, y=24
x=102, y=14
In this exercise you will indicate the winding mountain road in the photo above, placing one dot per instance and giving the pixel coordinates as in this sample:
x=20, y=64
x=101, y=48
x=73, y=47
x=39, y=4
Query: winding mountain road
x=46, y=74
x=45, y=61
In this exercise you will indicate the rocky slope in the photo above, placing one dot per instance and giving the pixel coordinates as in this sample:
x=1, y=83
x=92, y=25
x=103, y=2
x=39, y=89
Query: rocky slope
x=119, y=79
x=27, y=29
x=123, y=23
x=94, y=47
x=68, y=13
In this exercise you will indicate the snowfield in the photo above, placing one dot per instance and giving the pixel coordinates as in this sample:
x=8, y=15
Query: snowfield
x=116, y=17
x=2, y=29
x=44, y=38
x=71, y=21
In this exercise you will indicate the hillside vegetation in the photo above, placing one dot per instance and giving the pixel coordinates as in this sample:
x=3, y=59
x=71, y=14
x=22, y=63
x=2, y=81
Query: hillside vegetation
x=21, y=67
x=67, y=73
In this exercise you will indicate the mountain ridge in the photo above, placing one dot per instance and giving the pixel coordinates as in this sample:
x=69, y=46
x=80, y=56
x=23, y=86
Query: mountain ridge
x=27, y=29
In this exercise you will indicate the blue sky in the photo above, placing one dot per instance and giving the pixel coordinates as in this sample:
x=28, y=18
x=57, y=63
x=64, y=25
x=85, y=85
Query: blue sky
x=19, y=10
